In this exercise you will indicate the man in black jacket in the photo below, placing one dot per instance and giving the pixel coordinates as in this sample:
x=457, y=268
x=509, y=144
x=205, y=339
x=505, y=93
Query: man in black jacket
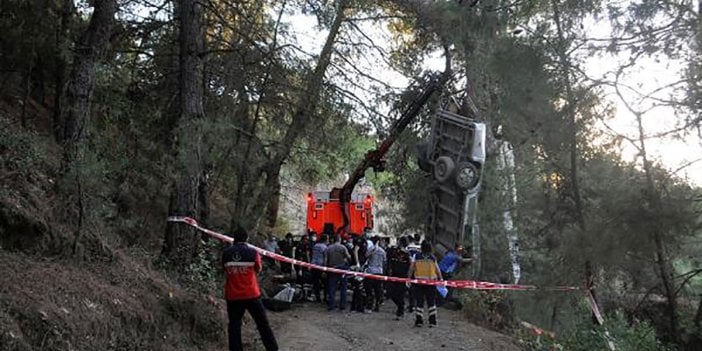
x=398, y=266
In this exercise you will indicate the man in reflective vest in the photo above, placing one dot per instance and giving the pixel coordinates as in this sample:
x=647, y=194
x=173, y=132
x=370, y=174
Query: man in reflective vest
x=241, y=264
x=425, y=267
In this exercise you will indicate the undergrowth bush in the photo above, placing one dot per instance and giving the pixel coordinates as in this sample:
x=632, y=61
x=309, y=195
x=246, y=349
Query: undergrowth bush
x=21, y=151
x=584, y=336
x=491, y=309
x=204, y=275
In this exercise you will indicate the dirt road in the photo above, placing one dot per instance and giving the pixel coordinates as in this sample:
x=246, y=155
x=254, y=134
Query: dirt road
x=310, y=327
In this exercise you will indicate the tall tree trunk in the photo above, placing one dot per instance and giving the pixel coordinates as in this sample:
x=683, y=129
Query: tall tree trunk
x=62, y=48
x=664, y=267
x=75, y=106
x=303, y=112
x=75, y=112
x=274, y=204
x=27, y=90
x=698, y=316
x=571, y=112
x=181, y=244
x=506, y=166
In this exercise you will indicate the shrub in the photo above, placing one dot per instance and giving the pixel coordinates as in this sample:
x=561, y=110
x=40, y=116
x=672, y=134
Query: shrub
x=584, y=336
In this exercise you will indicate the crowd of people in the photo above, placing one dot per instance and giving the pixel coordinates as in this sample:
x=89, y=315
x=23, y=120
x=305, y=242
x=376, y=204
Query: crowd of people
x=409, y=258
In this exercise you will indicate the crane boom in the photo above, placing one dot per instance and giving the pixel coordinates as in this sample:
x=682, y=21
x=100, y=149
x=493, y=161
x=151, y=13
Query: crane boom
x=374, y=158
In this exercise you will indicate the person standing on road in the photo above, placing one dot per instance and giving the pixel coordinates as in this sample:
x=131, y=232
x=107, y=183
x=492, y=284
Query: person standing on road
x=360, y=247
x=271, y=244
x=398, y=266
x=318, y=251
x=376, y=260
x=358, y=286
x=303, y=251
x=336, y=256
x=287, y=247
x=414, y=250
x=241, y=263
x=425, y=267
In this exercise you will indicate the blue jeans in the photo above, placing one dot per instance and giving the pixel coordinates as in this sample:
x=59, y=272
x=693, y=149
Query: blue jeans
x=334, y=279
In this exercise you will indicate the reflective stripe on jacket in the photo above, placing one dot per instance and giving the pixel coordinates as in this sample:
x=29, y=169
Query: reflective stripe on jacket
x=425, y=267
x=241, y=263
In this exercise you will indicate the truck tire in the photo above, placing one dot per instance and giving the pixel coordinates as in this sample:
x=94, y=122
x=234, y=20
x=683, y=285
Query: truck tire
x=467, y=175
x=443, y=168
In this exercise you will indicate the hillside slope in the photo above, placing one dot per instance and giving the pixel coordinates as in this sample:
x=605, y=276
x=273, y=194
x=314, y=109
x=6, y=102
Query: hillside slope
x=49, y=304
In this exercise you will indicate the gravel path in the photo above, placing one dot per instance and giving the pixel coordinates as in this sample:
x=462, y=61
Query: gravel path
x=310, y=327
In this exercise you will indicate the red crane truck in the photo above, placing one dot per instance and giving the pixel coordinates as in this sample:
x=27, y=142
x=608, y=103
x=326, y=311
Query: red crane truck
x=340, y=210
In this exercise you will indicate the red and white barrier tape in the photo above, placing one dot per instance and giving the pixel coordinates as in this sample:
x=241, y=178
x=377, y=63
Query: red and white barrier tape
x=458, y=284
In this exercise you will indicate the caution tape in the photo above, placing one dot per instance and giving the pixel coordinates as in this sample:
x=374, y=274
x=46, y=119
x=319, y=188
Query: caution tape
x=458, y=284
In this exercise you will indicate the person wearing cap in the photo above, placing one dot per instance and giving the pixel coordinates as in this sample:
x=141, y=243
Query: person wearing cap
x=241, y=264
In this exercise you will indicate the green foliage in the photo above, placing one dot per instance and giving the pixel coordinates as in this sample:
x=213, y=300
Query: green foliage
x=636, y=336
x=585, y=336
x=491, y=309
x=29, y=41
x=334, y=147
x=204, y=274
x=21, y=151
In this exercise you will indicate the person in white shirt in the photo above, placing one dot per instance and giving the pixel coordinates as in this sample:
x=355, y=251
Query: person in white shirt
x=376, y=261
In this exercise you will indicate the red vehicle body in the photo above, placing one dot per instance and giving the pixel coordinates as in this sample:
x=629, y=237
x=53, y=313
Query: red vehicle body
x=343, y=212
x=324, y=211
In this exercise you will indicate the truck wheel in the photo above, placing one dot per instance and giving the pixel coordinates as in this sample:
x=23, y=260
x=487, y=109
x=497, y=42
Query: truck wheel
x=443, y=169
x=467, y=175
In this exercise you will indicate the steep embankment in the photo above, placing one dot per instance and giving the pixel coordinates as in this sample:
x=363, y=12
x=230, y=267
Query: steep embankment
x=48, y=304
x=55, y=295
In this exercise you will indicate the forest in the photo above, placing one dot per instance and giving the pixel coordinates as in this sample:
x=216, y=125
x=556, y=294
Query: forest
x=115, y=114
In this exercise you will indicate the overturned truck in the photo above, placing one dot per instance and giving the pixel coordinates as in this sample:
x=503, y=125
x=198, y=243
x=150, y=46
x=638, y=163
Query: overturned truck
x=454, y=157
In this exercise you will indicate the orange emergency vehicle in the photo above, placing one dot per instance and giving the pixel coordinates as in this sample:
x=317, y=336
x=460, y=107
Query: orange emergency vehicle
x=323, y=211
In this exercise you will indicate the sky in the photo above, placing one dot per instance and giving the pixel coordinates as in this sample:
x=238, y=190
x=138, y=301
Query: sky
x=681, y=154
x=672, y=153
